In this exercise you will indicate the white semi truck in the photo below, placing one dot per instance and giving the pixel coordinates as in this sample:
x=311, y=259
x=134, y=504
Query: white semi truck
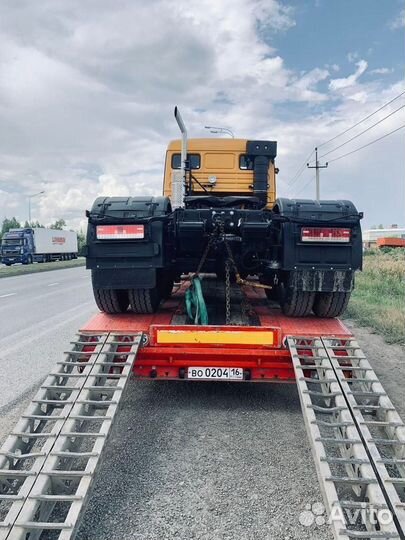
x=38, y=245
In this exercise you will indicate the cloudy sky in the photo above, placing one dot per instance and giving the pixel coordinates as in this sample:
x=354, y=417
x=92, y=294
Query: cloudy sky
x=87, y=90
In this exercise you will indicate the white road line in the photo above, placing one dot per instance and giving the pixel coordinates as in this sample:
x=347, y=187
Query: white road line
x=52, y=284
x=9, y=294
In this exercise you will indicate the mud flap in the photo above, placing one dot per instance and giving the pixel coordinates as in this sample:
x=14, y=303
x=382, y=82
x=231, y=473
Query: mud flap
x=322, y=280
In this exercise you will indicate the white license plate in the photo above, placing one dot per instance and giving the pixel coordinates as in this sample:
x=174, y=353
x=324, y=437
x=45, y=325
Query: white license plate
x=217, y=373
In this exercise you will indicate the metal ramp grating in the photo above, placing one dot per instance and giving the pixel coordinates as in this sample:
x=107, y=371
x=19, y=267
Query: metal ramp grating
x=47, y=463
x=380, y=426
x=353, y=491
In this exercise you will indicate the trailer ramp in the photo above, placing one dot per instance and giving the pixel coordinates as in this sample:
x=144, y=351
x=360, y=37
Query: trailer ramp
x=357, y=438
x=47, y=463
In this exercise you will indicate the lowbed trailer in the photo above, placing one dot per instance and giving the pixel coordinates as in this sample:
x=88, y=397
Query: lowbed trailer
x=48, y=462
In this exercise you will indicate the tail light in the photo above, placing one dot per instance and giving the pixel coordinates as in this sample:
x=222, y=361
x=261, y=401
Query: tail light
x=120, y=232
x=325, y=234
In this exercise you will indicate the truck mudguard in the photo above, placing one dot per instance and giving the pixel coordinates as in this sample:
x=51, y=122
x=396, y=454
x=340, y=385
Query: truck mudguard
x=117, y=261
x=317, y=266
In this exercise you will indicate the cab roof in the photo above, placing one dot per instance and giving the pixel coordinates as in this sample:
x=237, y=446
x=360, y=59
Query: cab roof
x=210, y=143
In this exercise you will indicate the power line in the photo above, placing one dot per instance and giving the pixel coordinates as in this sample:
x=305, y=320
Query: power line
x=363, y=120
x=362, y=132
x=368, y=144
x=356, y=150
x=305, y=185
x=300, y=170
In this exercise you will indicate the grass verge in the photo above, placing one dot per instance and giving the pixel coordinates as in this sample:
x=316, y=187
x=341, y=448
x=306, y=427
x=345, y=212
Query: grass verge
x=19, y=269
x=378, y=300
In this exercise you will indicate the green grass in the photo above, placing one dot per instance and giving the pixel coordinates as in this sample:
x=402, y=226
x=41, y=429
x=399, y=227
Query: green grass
x=17, y=270
x=378, y=300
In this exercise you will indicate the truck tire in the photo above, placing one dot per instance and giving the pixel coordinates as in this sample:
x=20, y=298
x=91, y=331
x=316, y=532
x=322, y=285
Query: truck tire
x=111, y=300
x=331, y=304
x=295, y=303
x=144, y=301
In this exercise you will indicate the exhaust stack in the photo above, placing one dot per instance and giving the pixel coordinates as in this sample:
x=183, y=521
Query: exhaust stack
x=179, y=179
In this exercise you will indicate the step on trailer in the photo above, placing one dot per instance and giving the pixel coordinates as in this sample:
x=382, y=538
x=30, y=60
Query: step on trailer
x=48, y=462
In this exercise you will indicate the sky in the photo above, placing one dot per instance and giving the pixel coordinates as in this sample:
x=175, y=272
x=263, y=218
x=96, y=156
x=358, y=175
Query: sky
x=87, y=91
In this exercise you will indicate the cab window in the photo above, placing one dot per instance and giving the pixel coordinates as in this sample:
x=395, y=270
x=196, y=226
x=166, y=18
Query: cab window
x=245, y=162
x=195, y=161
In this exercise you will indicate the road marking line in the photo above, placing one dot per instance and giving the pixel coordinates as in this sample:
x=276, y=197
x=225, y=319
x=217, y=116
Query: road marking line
x=52, y=284
x=5, y=295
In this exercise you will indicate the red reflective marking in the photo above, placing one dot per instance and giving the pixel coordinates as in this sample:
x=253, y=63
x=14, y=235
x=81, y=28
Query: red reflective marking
x=118, y=232
x=325, y=234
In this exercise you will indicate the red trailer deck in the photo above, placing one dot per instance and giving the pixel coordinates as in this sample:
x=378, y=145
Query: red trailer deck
x=182, y=351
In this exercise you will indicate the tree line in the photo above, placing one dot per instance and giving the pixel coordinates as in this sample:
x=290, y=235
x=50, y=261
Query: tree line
x=59, y=224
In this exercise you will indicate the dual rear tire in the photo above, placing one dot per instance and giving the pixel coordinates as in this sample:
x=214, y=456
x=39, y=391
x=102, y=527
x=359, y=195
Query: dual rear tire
x=326, y=305
x=140, y=301
x=330, y=305
x=111, y=300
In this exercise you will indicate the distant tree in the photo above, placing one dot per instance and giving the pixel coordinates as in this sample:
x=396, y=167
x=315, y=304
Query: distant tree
x=81, y=242
x=9, y=224
x=33, y=225
x=59, y=224
x=380, y=226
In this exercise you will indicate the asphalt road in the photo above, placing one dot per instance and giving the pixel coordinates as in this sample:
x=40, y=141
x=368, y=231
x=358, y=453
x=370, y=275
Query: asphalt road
x=39, y=315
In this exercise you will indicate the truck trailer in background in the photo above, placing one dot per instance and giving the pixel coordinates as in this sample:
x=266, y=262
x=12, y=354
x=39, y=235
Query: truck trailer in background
x=38, y=245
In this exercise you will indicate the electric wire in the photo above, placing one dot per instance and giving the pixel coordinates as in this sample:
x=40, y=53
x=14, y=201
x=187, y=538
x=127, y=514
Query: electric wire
x=300, y=170
x=363, y=120
x=368, y=144
x=362, y=132
x=353, y=152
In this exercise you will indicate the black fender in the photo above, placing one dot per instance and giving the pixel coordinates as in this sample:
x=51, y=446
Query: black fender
x=314, y=261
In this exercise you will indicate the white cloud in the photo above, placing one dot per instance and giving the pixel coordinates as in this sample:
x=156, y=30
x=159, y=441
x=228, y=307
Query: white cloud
x=382, y=71
x=353, y=56
x=399, y=21
x=339, y=84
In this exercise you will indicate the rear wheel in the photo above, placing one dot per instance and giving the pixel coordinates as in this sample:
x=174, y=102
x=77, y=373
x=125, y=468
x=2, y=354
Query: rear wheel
x=111, y=300
x=144, y=300
x=296, y=303
x=331, y=304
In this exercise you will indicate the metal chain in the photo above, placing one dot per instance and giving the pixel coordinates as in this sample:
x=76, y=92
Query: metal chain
x=227, y=292
x=204, y=256
x=230, y=263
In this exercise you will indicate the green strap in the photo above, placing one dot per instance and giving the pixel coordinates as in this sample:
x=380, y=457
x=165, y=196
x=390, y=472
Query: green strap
x=195, y=303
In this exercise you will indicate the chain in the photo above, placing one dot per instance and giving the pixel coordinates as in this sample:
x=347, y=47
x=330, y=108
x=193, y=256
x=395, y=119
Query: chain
x=228, y=291
x=204, y=256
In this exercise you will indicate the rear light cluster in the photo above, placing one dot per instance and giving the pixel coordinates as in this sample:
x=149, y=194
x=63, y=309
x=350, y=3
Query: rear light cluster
x=325, y=234
x=120, y=232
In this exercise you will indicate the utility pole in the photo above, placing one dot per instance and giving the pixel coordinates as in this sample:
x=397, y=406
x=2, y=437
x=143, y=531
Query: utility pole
x=317, y=167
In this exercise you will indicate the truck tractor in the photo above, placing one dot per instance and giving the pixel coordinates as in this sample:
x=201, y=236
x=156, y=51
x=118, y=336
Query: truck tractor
x=219, y=214
x=37, y=245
